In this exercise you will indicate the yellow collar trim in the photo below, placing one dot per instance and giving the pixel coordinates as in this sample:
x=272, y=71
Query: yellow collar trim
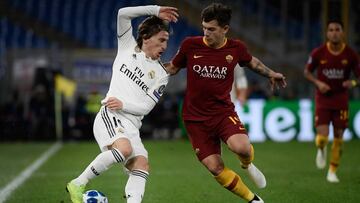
x=343, y=45
x=205, y=42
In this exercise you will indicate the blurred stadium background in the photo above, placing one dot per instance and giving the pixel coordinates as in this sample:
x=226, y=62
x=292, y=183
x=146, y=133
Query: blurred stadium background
x=77, y=39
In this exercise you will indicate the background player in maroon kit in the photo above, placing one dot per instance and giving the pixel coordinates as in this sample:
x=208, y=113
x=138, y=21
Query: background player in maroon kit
x=208, y=111
x=334, y=61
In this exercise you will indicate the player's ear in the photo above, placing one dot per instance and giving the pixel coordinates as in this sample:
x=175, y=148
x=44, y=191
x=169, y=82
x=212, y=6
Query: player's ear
x=226, y=29
x=146, y=40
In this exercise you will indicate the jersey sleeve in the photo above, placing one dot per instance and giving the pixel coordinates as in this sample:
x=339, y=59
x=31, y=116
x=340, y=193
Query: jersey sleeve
x=180, y=59
x=312, y=62
x=124, y=28
x=244, y=55
x=158, y=90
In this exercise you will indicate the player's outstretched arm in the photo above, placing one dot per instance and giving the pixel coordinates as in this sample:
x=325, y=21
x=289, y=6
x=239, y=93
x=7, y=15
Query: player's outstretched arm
x=351, y=83
x=125, y=15
x=171, y=69
x=138, y=109
x=277, y=80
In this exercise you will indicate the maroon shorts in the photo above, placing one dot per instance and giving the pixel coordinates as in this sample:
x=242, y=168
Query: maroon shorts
x=338, y=117
x=205, y=135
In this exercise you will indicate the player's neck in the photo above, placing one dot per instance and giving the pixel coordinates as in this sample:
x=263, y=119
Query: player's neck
x=218, y=45
x=335, y=48
x=148, y=53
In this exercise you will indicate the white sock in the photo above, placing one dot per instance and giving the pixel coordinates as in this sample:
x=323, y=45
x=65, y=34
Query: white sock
x=135, y=186
x=100, y=164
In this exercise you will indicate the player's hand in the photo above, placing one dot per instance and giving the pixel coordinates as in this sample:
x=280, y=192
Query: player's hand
x=277, y=80
x=168, y=13
x=114, y=104
x=349, y=84
x=323, y=87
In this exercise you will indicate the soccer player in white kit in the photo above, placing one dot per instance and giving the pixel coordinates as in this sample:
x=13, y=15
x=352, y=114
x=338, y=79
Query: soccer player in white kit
x=137, y=83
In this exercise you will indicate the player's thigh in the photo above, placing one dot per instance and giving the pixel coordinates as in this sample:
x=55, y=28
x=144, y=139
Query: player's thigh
x=232, y=131
x=138, y=148
x=203, y=139
x=322, y=130
x=322, y=120
x=110, y=127
x=239, y=144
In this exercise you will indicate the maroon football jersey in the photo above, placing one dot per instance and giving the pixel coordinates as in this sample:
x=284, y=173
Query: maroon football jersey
x=333, y=70
x=210, y=75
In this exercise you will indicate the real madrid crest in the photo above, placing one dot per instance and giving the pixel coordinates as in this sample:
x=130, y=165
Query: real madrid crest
x=229, y=58
x=151, y=74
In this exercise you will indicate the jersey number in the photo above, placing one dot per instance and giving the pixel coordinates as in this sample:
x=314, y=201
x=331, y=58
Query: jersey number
x=234, y=119
x=344, y=115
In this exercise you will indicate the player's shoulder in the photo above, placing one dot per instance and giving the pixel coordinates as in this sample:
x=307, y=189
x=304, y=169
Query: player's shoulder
x=350, y=50
x=237, y=43
x=318, y=50
x=193, y=40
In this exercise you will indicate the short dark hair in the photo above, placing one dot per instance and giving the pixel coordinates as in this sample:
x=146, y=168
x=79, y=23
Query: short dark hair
x=217, y=11
x=337, y=21
x=149, y=27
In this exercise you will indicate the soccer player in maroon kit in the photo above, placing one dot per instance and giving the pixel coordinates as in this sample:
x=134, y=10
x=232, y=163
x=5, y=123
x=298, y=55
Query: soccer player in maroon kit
x=334, y=61
x=208, y=112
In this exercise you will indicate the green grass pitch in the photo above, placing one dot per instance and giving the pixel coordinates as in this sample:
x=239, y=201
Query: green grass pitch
x=176, y=175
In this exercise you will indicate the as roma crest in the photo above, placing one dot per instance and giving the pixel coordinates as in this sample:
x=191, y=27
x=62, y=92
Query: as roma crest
x=229, y=58
x=344, y=62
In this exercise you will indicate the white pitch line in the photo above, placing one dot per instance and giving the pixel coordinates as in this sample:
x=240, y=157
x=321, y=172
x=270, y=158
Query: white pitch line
x=20, y=179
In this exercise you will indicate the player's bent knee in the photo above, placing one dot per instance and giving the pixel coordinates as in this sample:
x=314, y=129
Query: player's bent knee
x=123, y=146
x=244, y=152
x=138, y=162
x=239, y=144
x=242, y=149
x=216, y=170
x=214, y=166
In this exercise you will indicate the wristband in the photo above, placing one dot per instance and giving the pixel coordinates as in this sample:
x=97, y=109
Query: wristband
x=353, y=83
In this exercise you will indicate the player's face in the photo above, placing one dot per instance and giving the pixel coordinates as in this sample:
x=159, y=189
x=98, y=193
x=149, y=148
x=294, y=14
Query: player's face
x=334, y=33
x=214, y=34
x=156, y=44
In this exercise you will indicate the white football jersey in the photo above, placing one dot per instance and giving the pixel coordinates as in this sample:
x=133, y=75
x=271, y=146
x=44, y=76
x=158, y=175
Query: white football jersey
x=136, y=80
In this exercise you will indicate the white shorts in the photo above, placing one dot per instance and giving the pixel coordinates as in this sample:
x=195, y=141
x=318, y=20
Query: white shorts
x=110, y=126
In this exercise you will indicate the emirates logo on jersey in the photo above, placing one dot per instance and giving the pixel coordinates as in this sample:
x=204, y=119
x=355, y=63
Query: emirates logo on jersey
x=229, y=58
x=151, y=74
